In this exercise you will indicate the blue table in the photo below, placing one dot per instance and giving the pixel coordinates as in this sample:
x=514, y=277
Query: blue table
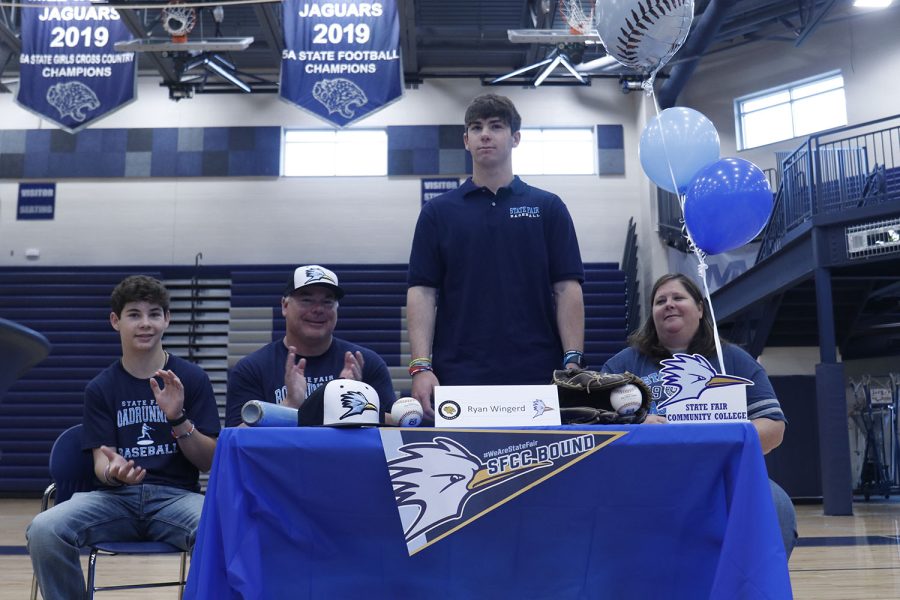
x=674, y=511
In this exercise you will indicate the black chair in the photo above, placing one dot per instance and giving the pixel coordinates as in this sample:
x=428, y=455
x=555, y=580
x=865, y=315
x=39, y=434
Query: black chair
x=20, y=349
x=72, y=470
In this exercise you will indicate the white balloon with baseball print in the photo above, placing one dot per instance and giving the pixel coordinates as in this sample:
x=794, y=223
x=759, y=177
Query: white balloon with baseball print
x=643, y=34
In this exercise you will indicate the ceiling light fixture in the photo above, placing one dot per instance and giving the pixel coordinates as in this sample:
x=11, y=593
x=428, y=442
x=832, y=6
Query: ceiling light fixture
x=872, y=3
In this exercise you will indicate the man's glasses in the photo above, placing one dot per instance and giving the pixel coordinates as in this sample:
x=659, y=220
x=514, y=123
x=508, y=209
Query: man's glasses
x=326, y=303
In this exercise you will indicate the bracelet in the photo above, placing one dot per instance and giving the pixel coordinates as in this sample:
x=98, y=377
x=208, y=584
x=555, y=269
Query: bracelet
x=108, y=480
x=413, y=371
x=572, y=356
x=178, y=421
x=418, y=365
x=188, y=433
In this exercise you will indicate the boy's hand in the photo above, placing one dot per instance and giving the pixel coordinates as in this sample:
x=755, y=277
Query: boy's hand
x=125, y=472
x=171, y=397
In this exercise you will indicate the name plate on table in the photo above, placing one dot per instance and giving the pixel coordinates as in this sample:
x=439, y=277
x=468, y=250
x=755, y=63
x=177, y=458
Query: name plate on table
x=697, y=393
x=495, y=405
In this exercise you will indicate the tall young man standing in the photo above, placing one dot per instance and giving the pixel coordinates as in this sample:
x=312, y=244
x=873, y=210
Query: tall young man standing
x=495, y=272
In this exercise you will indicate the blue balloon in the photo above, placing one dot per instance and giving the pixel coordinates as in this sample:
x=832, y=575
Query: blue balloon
x=681, y=138
x=727, y=204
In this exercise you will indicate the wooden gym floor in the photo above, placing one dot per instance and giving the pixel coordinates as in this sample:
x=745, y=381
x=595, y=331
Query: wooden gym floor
x=838, y=558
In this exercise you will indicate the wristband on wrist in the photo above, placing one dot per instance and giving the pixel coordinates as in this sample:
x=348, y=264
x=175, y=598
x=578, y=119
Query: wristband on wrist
x=111, y=482
x=573, y=356
x=418, y=365
x=186, y=434
x=178, y=421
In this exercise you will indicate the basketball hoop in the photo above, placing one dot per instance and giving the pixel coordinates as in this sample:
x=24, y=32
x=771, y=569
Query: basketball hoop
x=178, y=21
x=573, y=12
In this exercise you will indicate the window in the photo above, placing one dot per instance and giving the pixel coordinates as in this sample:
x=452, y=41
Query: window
x=790, y=111
x=327, y=153
x=555, y=152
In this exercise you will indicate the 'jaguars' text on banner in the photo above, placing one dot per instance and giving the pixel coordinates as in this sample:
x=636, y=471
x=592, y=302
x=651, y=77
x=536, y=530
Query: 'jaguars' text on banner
x=70, y=73
x=341, y=60
x=444, y=479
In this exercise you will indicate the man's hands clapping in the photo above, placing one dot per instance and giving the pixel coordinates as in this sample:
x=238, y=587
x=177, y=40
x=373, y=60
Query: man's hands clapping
x=353, y=366
x=294, y=379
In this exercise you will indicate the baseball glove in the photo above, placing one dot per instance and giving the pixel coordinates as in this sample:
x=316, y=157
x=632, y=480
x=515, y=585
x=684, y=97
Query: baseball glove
x=584, y=396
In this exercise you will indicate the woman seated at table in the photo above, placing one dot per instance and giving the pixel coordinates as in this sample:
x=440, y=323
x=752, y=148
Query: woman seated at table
x=680, y=322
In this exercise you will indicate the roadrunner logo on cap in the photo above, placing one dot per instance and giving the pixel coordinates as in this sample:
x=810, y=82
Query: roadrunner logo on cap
x=356, y=403
x=314, y=275
x=445, y=479
x=349, y=401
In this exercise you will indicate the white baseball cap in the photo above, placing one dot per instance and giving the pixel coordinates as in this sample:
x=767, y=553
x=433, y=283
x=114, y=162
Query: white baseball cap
x=341, y=402
x=313, y=275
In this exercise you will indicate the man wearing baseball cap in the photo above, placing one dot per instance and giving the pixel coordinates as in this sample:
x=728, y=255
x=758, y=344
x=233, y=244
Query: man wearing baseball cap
x=288, y=370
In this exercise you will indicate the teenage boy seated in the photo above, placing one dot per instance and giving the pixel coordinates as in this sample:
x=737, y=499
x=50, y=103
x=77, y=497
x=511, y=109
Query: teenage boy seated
x=151, y=421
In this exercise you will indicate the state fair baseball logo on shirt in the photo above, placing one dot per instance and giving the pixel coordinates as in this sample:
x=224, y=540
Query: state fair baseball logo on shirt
x=142, y=415
x=526, y=212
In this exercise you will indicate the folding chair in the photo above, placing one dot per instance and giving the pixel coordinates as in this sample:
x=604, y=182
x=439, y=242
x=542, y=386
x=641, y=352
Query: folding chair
x=72, y=470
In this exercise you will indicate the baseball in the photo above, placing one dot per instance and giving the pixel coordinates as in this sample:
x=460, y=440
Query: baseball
x=407, y=412
x=626, y=399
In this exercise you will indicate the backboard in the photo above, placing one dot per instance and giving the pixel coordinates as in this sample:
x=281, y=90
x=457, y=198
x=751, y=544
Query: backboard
x=220, y=44
x=552, y=36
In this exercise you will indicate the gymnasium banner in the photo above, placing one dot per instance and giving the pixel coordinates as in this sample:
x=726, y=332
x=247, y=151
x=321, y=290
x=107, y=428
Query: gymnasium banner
x=341, y=61
x=70, y=73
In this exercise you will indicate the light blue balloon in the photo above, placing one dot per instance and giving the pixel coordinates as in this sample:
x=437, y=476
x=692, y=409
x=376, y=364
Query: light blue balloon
x=727, y=204
x=680, y=138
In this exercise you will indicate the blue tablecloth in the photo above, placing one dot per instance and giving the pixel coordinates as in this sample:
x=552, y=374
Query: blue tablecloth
x=670, y=511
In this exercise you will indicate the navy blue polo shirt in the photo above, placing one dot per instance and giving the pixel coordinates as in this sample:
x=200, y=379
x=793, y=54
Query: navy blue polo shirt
x=494, y=260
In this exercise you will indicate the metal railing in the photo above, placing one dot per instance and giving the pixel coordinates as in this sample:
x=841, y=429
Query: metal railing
x=833, y=171
x=670, y=220
x=193, y=324
x=629, y=267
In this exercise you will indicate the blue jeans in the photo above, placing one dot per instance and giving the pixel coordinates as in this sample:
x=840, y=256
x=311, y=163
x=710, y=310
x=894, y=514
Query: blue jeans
x=142, y=512
x=787, y=517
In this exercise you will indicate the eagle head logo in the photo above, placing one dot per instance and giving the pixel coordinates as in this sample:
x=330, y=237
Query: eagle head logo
x=539, y=408
x=317, y=274
x=356, y=403
x=691, y=375
x=439, y=477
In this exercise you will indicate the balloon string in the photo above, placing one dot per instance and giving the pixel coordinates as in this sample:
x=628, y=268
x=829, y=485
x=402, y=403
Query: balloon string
x=702, y=267
x=662, y=134
x=701, y=270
